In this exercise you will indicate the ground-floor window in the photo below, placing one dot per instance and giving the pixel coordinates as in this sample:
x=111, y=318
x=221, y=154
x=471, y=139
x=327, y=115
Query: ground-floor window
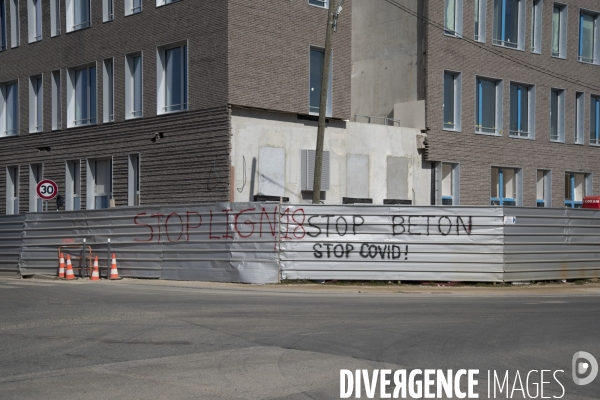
x=505, y=187
x=576, y=188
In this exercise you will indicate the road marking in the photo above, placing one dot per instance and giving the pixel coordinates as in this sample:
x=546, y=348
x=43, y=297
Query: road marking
x=549, y=302
x=314, y=333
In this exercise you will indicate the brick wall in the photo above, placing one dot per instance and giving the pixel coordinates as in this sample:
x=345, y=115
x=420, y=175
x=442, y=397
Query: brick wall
x=477, y=153
x=269, y=44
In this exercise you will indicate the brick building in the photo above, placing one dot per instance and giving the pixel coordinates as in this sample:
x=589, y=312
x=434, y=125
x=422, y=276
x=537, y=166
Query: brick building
x=512, y=97
x=127, y=102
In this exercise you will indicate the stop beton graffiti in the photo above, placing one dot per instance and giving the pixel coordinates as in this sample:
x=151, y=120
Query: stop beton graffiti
x=332, y=236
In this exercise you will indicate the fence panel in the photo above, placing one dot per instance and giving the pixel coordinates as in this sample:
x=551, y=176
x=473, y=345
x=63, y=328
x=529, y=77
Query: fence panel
x=11, y=232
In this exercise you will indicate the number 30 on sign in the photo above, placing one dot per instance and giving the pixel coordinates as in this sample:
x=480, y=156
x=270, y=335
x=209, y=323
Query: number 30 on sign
x=47, y=189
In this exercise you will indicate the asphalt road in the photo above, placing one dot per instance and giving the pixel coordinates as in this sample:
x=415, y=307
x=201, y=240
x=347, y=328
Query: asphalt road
x=107, y=340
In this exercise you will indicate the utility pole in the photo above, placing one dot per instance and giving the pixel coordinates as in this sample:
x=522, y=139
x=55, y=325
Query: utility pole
x=332, y=17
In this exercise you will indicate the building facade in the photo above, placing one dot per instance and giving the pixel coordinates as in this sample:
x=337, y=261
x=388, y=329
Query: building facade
x=512, y=101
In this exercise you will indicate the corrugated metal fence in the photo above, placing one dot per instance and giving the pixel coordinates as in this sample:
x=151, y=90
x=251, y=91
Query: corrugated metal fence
x=260, y=242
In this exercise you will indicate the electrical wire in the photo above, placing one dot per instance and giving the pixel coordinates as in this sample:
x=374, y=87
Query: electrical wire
x=496, y=52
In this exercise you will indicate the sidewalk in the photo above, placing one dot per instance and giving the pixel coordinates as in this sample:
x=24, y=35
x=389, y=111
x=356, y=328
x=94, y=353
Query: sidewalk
x=587, y=288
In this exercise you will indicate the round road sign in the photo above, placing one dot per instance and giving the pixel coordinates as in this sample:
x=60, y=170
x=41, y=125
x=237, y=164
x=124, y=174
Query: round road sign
x=47, y=189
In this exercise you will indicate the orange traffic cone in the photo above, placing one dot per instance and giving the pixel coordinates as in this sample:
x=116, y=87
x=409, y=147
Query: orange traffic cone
x=61, y=267
x=69, y=274
x=114, y=274
x=95, y=274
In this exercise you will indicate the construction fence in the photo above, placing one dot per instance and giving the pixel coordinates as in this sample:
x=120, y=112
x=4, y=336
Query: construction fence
x=266, y=242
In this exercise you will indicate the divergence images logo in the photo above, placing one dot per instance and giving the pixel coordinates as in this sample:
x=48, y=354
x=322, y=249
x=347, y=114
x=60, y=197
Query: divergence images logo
x=582, y=364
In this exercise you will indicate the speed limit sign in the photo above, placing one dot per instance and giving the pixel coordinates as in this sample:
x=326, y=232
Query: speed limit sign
x=47, y=189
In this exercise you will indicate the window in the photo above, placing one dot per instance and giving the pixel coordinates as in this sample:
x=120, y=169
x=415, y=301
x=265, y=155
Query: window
x=536, y=26
x=54, y=18
x=447, y=184
x=172, y=78
x=133, y=7
x=9, y=109
x=36, y=174
x=133, y=181
x=522, y=111
x=489, y=106
x=73, y=186
x=14, y=24
x=543, y=188
x=557, y=115
x=317, y=58
x=579, y=117
x=164, y=2
x=480, y=10
x=2, y=25
x=81, y=96
x=108, y=97
x=506, y=187
x=577, y=185
x=559, y=31
x=78, y=15
x=452, y=101
x=508, y=23
x=36, y=101
x=34, y=10
x=12, y=190
x=453, y=17
x=595, y=120
x=318, y=3
x=56, y=101
x=99, y=184
x=133, y=86
x=589, y=39
x=108, y=10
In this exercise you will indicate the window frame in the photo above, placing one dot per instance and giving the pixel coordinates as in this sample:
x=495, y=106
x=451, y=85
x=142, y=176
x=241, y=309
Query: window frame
x=537, y=26
x=12, y=178
x=587, y=187
x=108, y=10
x=34, y=20
x=70, y=13
x=595, y=37
x=560, y=120
x=3, y=32
x=502, y=42
x=579, y=131
x=36, y=104
x=562, y=34
x=499, y=112
x=546, y=201
x=457, y=96
x=55, y=18
x=108, y=90
x=130, y=86
x=36, y=204
x=130, y=9
x=458, y=19
x=133, y=179
x=72, y=100
x=4, y=109
x=91, y=173
x=480, y=21
x=531, y=104
x=324, y=5
x=518, y=187
x=15, y=24
x=440, y=197
x=329, y=108
x=161, y=78
x=72, y=185
x=595, y=119
x=56, y=81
